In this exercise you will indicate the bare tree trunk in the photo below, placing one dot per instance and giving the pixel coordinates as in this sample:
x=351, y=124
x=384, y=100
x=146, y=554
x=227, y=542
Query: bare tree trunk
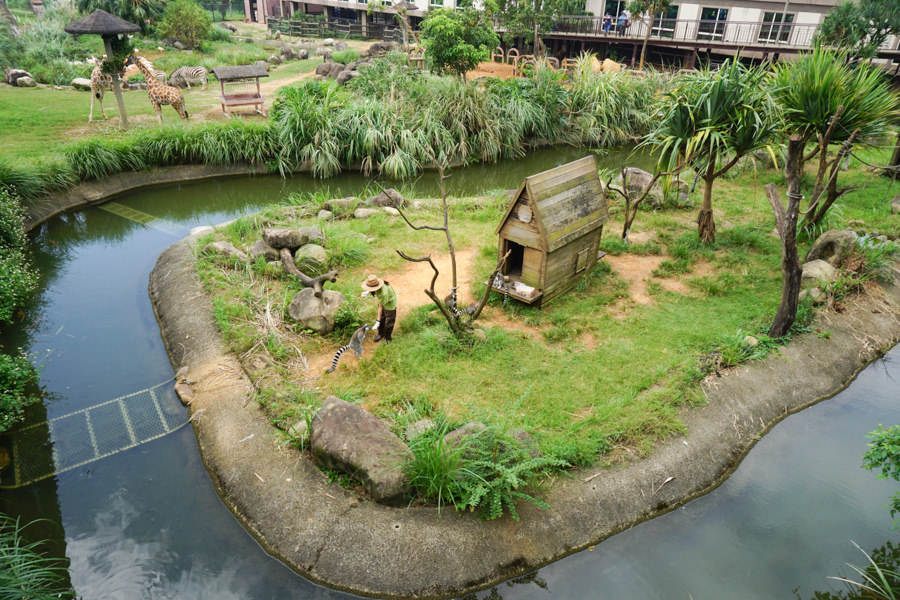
x=791, y=270
x=706, y=225
x=814, y=217
x=11, y=19
x=819, y=185
x=451, y=319
x=644, y=47
x=287, y=259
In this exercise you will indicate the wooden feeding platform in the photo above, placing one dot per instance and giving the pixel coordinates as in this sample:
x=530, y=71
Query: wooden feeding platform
x=551, y=230
x=240, y=87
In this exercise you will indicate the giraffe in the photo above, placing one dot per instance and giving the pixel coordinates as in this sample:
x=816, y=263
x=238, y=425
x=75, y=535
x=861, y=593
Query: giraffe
x=100, y=82
x=159, y=93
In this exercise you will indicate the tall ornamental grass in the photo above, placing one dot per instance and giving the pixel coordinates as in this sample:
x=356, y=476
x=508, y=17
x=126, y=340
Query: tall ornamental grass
x=25, y=573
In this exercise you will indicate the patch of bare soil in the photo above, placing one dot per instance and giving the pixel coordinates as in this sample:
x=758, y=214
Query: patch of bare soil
x=492, y=69
x=637, y=271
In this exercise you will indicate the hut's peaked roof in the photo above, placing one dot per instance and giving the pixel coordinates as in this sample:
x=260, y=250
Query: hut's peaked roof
x=567, y=201
x=239, y=72
x=103, y=23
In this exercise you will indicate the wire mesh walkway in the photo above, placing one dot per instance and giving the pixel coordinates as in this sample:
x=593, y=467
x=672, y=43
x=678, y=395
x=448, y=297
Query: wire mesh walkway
x=143, y=218
x=64, y=443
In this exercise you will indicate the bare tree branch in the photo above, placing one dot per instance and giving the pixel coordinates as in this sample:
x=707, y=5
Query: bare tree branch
x=287, y=259
x=490, y=281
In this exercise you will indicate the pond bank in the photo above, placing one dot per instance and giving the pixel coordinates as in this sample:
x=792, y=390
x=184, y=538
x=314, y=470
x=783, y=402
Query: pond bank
x=330, y=536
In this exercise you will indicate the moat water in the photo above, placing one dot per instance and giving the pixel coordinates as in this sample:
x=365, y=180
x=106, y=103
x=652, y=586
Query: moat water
x=147, y=523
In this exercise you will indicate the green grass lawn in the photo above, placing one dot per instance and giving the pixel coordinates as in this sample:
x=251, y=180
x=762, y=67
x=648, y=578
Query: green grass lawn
x=599, y=375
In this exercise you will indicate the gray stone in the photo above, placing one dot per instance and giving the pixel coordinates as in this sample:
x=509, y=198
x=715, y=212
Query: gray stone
x=178, y=45
x=857, y=223
x=81, y=84
x=389, y=197
x=324, y=69
x=340, y=204
x=365, y=213
x=346, y=438
x=325, y=215
x=287, y=53
x=480, y=334
x=816, y=294
x=340, y=45
x=638, y=180
x=328, y=42
x=277, y=35
x=323, y=51
x=25, y=82
x=381, y=48
x=314, y=235
x=11, y=76
x=833, y=247
x=314, y=313
x=302, y=53
x=311, y=259
x=263, y=64
x=274, y=60
x=285, y=238
x=261, y=248
x=895, y=204
x=526, y=442
x=459, y=435
x=817, y=272
x=202, y=230
x=751, y=341
x=343, y=76
x=225, y=249
x=414, y=430
x=299, y=430
x=391, y=211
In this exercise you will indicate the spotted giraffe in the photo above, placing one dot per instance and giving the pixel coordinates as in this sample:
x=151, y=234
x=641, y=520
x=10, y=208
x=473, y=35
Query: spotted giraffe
x=100, y=82
x=160, y=93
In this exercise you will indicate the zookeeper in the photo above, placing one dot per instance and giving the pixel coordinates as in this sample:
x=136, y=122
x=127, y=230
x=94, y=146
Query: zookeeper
x=387, y=305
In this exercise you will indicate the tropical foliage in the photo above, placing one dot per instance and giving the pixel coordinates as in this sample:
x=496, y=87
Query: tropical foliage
x=187, y=21
x=884, y=454
x=647, y=9
x=860, y=27
x=140, y=12
x=457, y=40
x=708, y=122
x=19, y=279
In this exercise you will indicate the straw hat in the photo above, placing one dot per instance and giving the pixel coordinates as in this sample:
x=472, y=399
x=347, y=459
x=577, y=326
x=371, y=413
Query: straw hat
x=372, y=283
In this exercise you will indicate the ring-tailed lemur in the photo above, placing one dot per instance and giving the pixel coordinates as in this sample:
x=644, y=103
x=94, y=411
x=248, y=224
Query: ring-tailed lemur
x=356, y=344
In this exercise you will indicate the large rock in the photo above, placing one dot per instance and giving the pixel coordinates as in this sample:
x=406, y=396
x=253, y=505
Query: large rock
x=459, y=435
x=610, y=66
x=25, y=82
x=324, y=69
x=340, y=45
x=816, y=273
x=345, y=437
x=12, y=76
x=314, y=235
x=302, y=54
x=225, y=249
x=389, y=197
x=285, y=238
x=274, y=60
x=833, y=247
x=365, y=213
x=638, y=180
x=261, y=248
x=345, y=76
x=311, y=259
x=381, y=48
x=81, y=84
x=314, y=313
x=340, y=204
x=895, y=204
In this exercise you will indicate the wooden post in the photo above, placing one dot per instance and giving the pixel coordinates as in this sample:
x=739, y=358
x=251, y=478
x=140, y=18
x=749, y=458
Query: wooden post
x=117, y=87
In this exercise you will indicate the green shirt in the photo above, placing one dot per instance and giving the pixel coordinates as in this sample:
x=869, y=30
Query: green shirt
x=386, y=296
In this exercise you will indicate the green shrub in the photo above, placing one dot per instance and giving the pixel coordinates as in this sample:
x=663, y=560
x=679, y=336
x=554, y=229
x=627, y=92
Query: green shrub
x=186, y=21
x=345, y=57
x=18, y=384
x=19, y=279
x=884, y=455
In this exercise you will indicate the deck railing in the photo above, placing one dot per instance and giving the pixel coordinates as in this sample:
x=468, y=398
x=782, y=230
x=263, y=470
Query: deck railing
x=337, y=28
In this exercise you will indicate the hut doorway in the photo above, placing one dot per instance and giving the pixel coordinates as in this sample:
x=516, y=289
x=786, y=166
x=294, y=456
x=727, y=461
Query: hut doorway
x=515, y=259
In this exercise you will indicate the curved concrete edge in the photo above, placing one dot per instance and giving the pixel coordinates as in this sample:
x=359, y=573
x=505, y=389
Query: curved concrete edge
x=329, y=536
x=93, y=192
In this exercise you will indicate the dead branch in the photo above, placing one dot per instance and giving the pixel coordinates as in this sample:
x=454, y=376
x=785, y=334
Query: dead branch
x=287, y=259
x=430, y=292
x=490, y=281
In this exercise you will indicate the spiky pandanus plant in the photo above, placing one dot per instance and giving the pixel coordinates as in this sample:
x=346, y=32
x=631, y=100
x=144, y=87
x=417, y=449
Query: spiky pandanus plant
x=710, y=121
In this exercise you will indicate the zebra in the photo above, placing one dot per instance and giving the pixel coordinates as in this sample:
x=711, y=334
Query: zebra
x=159, y=74
x=356, y=344
x=184, y=76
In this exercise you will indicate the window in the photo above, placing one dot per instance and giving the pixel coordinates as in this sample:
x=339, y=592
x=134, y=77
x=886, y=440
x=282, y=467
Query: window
x=614, y=7
x=773, y=29
x=664, y=23
x=435, y=2
x=581, y=260
x=712, y=23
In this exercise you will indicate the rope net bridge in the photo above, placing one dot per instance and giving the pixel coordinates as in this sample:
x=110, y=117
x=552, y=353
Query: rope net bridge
x=52, y=447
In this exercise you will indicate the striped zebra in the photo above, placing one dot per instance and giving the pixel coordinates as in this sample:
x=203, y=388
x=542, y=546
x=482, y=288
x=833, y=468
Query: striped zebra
x=184, y=76
x=158, y=73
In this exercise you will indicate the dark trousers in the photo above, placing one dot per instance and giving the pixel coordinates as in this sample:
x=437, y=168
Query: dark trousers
x=386, y=327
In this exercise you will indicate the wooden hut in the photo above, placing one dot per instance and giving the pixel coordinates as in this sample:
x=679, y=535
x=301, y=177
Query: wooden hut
x=551, y=230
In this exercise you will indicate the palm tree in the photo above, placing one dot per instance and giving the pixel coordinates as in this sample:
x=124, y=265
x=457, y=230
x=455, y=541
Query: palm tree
x=709, y=122
x=648, y=8
x=811, y=91
x=822, y=99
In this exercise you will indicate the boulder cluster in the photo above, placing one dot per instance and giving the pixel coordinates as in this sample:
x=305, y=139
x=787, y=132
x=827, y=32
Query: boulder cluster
x=18, y=77
x=329, y=69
